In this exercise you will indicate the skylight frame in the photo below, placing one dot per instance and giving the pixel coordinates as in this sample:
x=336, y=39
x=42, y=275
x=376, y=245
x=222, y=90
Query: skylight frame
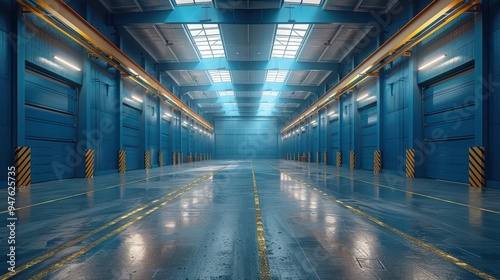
x=192, y=2
x=288, y=40
x=207, y=40
x=276, y=76
x=304, y=2
x=220, y=76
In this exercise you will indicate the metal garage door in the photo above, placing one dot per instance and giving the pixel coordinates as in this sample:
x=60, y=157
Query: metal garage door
x=165, y=142
x=131, y=136
x=449, y=127
x=50, y=127
x=334, y=141
x=184, y=142
x=368, y=135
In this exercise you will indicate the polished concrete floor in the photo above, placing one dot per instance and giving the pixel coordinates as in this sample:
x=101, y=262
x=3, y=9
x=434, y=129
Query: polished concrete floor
x=199, y=221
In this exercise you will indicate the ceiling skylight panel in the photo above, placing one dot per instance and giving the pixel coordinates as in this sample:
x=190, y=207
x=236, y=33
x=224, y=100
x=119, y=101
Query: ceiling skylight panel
x=276, y=76
x=220, y=76
x=304, y=2
x=191, y=2
x=288, y=39
x=207, y=39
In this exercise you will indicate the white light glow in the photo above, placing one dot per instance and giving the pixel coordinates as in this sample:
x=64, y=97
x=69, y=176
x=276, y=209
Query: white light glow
x=288, y=39
x=331, y=113
x=137, y=99
x=432, y=62
x=362, y=97
x=67, y=63
x=370, y=98
x=207, y=39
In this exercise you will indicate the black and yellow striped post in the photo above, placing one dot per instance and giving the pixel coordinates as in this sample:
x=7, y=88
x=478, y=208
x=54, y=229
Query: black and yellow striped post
x=377, y=161
x=410, y=163
x=89, y=163
x=325, y=158
x=174, y=158
x=476, y=167
x=352, y=162
x=122, y=161
x=160, y=159
x=339, y=158
x=23, y=166
x=147, y=160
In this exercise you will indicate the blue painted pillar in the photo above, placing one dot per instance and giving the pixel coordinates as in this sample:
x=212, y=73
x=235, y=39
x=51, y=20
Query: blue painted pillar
x=18, y=43
x=119, y=89
x=482, y=77
x=87, y=135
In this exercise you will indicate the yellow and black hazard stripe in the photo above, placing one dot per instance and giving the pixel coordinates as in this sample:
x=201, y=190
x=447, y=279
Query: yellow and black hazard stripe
x=160, y=159
x=180, y=158
x=174, y=158
x=352, y=160
x=377, y=161
x=122, y=161
x=410, y=163
x=325, y=158
x=339, y=158
x=476, y=167
x=89, y=163
x=147, y=160
x=23, y=166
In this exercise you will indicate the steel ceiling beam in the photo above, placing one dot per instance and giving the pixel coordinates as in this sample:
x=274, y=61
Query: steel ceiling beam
x=248, y=87
x=223, y=64
x=208, y=14
x=263, y=99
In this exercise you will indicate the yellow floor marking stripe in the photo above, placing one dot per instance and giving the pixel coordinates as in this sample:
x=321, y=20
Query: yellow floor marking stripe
x=408, y=237
x=109, y=224
x=83, y=193
x=264, y=270
x=413, y=193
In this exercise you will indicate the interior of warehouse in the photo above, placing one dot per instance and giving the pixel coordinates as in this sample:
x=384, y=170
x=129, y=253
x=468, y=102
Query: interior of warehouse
x=196, y=103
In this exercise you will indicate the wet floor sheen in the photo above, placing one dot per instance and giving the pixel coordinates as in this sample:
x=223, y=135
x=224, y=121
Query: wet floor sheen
x=198, y=221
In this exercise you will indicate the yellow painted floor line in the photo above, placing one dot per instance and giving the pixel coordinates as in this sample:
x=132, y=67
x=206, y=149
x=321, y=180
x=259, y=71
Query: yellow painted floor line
x=264, y=270
x=83, y=193
x=50, y=254
x=408, y=237
x=412, y=193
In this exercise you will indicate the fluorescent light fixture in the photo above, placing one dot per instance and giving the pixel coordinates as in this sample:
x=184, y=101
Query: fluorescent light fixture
x=432, y=62
x=132, y=71
x=288, y=39
x=67, y=63
x=331, y=113
x=314, y=122
x=276, y=76
x=207, y=39
x=362, y=97
x=136, y=98
x=128, y=99
x=334, y=115
x=168, y=115
x=370, y=98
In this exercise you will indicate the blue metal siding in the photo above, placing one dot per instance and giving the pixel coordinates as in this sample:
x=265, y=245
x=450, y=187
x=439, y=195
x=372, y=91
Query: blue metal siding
x=103, y=127
x=246, y=138
x=6, y=98
x=334, y=140
x=368, y=136
x=131, y=136
x=165, y=142
x=50, y=127
x=493, y=149
x=346, y=127
x=394, y=115
x=153, y=131
x=449, y=127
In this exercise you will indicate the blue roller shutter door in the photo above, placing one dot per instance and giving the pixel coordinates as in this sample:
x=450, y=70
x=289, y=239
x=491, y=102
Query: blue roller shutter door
x=449, y=127
x=131, y=136
x=50, y=127
x=368, y=135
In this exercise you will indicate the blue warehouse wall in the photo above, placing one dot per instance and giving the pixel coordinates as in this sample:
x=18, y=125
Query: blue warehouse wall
x=60, y=112
x=492, y=82
x=246, y=138
x=6, y=98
